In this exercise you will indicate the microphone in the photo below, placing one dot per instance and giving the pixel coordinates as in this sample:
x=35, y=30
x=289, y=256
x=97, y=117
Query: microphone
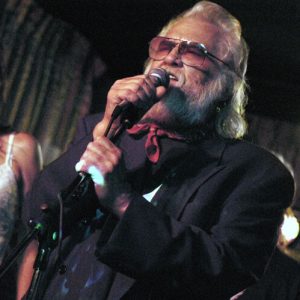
x=158, y=76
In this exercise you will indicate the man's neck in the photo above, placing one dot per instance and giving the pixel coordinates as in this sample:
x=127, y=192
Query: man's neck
x=190, y=133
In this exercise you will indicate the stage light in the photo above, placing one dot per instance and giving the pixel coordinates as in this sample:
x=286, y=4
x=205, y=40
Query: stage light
x=289, y=229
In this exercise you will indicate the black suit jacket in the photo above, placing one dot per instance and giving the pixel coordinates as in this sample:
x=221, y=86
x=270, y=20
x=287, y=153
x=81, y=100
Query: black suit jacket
x=209, y=236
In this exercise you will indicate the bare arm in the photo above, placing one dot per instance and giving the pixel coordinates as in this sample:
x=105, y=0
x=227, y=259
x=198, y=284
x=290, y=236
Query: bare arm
x=26, y=269
x=27, y=154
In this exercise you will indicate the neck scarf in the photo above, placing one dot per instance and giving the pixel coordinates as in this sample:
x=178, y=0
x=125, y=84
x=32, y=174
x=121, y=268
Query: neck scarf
x=154, y=132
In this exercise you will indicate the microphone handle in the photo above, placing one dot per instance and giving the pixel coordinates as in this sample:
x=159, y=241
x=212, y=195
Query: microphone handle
x=79, y=198
x=120, y=108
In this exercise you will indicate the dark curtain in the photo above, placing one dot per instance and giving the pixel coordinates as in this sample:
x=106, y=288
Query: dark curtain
x=49, y=70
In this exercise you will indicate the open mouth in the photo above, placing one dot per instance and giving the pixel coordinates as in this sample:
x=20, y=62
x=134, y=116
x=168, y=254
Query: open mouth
x=173, y=77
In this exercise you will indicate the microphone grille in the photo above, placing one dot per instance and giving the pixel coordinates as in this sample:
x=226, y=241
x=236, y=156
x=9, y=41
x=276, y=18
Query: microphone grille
x=160, y=77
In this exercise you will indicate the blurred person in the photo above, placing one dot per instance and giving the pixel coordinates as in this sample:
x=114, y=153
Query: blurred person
x=182, y=207
x=20, y=161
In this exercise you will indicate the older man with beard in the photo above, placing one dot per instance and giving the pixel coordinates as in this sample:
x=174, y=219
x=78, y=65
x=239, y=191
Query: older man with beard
x=181, y=208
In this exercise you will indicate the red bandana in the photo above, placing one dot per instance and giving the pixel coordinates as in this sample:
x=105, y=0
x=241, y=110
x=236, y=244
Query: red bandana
x=152, y=145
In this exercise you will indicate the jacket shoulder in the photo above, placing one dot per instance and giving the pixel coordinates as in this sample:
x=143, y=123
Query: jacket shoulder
x=247, y=151
x=257, y=161
x=86, y=125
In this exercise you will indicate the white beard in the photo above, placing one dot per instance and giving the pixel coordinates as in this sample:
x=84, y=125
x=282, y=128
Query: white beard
x=186, y=108
x=202, y=104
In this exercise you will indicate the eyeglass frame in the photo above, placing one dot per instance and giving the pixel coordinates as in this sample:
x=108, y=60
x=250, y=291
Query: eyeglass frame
x=199, y=45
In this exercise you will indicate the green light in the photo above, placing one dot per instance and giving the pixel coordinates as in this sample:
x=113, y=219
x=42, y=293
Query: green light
x=54, y=236
x=38, y=226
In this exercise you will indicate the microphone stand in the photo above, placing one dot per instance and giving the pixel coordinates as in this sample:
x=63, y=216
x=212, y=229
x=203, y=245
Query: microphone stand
x=47, y=243
x=48, y=236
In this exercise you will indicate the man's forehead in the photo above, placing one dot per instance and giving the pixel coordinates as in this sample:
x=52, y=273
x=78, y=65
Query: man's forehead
x=196, y=29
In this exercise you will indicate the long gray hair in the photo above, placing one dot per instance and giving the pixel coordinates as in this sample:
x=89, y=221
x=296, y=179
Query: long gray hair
x=230, y=116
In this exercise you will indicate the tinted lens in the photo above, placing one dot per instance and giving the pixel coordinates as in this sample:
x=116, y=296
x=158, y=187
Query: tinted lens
x=192, y=54
x=160, y=47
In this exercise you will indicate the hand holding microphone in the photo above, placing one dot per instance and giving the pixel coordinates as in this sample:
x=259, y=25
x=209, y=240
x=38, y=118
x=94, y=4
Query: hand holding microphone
x=158, y=77
x=101, y=161
x=132, y=94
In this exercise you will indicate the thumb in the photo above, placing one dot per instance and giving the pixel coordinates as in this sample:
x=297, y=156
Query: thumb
x=160, y=91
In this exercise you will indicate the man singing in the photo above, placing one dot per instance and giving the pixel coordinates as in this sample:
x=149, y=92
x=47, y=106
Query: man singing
x=182, y=207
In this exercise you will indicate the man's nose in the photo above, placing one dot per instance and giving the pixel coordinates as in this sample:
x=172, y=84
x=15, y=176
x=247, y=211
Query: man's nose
x=174, y=57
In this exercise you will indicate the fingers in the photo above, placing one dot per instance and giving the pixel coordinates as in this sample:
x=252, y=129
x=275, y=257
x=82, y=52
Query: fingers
x=160, y=92
x=138, y=90
x=99, y=159
x=102, y=160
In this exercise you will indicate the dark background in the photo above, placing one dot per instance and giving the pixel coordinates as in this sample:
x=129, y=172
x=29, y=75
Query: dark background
x=120, y=31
